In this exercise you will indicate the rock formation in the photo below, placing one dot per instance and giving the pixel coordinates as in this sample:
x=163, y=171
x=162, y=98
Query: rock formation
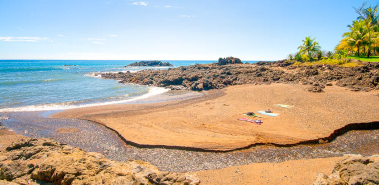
x=213, y=76
x=229, y=60
x=149, y=63
x=352, y=169
x=42, y=160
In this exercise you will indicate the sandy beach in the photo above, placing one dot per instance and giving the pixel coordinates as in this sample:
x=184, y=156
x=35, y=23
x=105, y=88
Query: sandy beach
x=290, y=172
x=211, y=123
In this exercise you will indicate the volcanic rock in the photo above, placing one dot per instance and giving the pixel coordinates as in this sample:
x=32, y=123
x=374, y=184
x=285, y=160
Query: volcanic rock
x=149, y=63
x=44, y=160
x=352, y=169
x=215, y=76
x=229, y=60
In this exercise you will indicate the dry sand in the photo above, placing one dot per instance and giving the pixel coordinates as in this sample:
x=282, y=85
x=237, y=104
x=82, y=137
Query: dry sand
x=212, y=124
x=7, y=137
x=290, y=172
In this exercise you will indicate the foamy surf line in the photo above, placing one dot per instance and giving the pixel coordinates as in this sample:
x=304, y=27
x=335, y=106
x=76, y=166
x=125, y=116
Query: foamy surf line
x=153, y=91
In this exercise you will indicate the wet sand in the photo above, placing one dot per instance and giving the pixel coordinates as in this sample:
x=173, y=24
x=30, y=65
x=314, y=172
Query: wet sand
x=211, y=124
x=96, y=138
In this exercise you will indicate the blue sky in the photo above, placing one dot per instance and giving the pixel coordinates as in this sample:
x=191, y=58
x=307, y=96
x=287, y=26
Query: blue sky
x=169, y=29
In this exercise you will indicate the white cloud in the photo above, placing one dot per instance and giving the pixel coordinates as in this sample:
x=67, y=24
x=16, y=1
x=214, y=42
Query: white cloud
x=96, y=39
x=113, y=35
x=140, y=3
x=167, y=6
x=22, y=39
x=96, y=42
x=60, y=35
x=187, y=16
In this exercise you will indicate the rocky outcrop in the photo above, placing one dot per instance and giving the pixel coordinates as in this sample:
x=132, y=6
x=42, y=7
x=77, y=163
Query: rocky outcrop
x=213, y=76
x=43, y=160
x=229, y=60
x=149, y=63
x=352, y=169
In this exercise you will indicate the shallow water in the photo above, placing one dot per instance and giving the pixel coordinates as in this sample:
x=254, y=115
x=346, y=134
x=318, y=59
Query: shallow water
x=96, y=138
x=38, y=85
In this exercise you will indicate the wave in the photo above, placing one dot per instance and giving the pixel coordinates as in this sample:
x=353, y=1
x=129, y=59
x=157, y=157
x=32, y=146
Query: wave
x=48, y=80
x=133, y=69
x=94, y=74
x=26, y=69
x=71, y=105
x=28, y=82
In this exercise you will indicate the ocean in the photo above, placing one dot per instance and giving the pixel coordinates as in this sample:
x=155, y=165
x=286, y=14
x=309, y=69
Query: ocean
x=40, y=85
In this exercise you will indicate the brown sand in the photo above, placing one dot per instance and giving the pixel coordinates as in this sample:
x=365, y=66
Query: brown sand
x=212, y=124
x=290, y=172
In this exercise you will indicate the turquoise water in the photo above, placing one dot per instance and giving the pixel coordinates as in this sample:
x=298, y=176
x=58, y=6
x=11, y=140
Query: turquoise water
x=29, y=85
x=38, y=85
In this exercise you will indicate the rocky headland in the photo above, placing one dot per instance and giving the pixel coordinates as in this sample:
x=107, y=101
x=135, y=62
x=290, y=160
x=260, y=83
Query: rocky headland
x=149, y=63
x=219, y=75
x=36, y=161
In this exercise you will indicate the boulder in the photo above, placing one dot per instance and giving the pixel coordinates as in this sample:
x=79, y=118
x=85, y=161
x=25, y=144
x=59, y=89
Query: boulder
x=352, y=169
x=44, y=160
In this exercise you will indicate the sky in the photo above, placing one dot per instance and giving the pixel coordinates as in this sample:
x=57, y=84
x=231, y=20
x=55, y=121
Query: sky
x=251, y=30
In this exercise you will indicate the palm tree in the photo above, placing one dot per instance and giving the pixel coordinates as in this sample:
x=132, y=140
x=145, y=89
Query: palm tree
x=309, y=46
x=370, y=18
x=357, y=37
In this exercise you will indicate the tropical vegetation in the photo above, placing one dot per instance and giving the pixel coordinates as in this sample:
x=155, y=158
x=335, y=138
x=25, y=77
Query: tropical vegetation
x=360, y=42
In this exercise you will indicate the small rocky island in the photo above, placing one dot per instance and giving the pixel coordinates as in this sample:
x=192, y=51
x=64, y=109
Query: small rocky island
x=149, y=63
x=229, y=60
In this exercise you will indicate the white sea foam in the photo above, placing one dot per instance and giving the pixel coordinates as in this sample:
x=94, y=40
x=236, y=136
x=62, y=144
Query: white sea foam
x=64, y=106
x=48, y=80
x=93, y=74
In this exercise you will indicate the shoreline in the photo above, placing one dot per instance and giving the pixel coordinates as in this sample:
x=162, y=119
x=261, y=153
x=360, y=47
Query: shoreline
x=102, y=114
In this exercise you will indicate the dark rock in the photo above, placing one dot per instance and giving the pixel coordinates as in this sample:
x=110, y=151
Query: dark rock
x=214, y=76
x=315, y=89
x=229, y=60
x=150, y=63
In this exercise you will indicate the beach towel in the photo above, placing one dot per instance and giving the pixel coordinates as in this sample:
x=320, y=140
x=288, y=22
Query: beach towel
x=284, y=106
x=250, y=120
x=267, y=114
x=254, y=115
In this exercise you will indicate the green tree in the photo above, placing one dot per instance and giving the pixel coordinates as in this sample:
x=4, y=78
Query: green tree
x=370, y=18
x=357, y=37
x=309, y=46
